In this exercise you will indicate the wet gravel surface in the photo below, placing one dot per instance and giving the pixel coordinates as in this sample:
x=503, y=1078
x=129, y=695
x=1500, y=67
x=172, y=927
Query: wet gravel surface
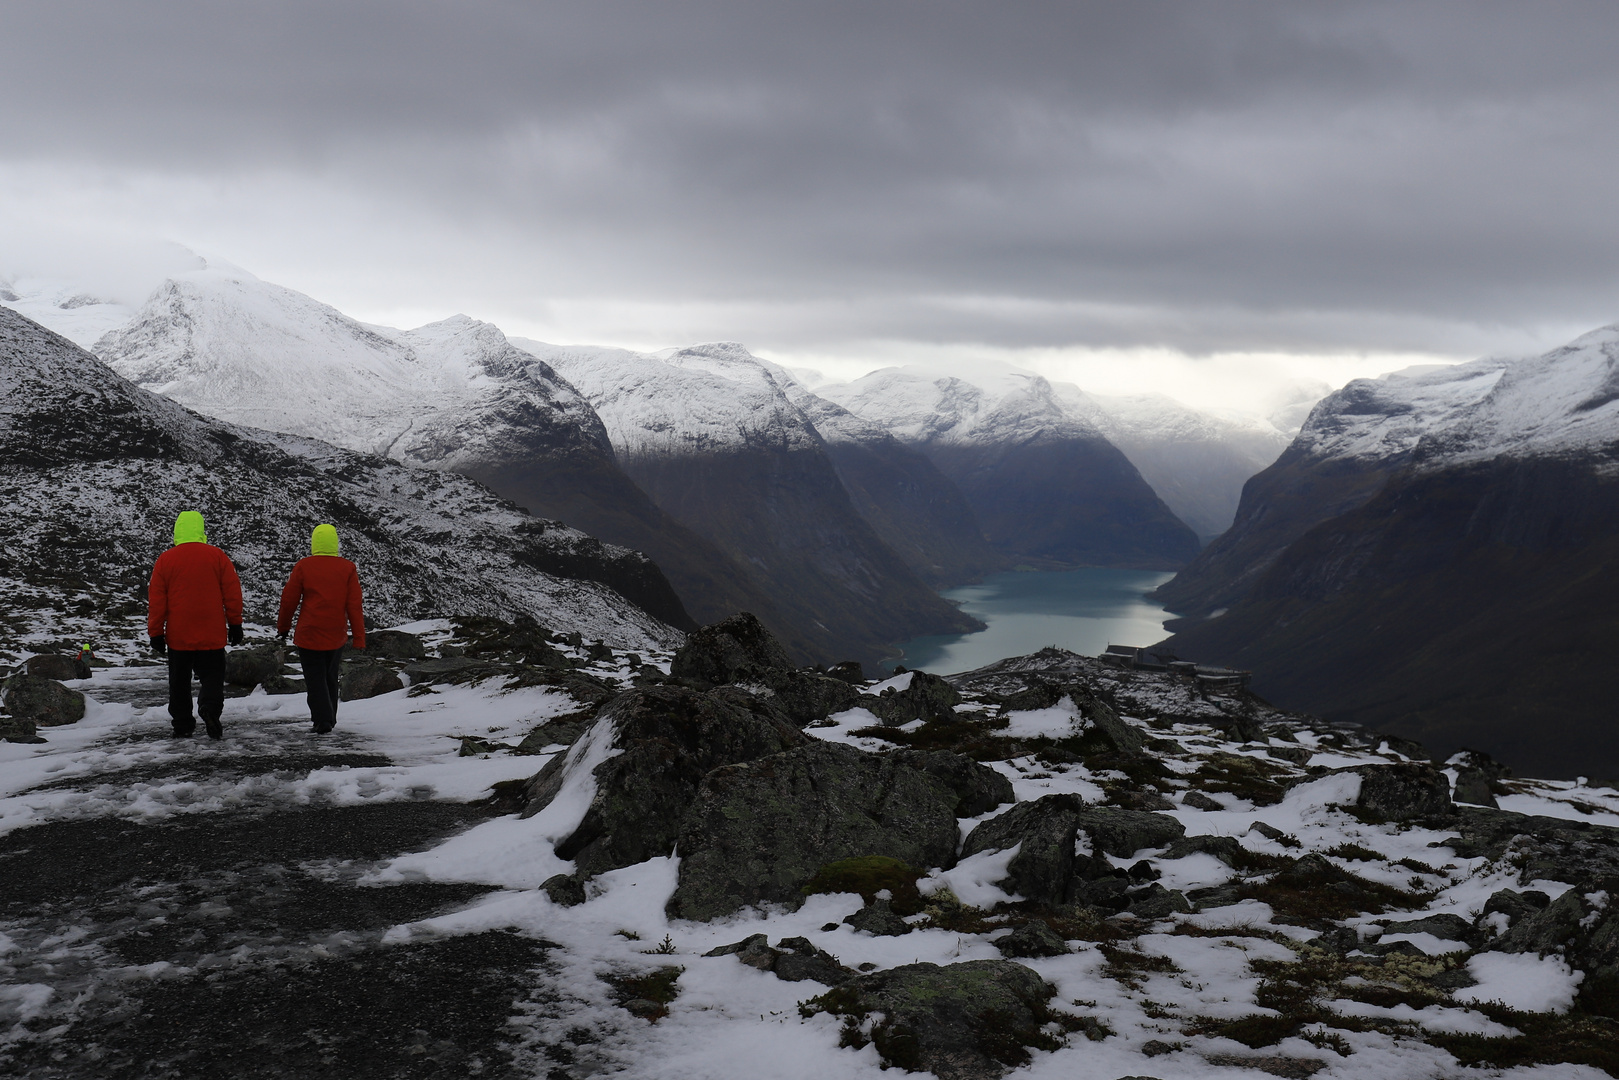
x=246, y=942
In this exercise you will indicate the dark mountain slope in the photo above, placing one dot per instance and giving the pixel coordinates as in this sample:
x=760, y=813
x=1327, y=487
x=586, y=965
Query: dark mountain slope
x=93, y=470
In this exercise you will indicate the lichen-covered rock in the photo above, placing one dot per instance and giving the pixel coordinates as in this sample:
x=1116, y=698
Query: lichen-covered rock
x=968, y=1021
x=879, y=919
x=1582, y=926
x=45, y=702
x=56, y=666
x=927, y=698
x=1473, y=786
x=394, y=645
x=1033, y=938
x=737, y=649
x=1404, y=791
x=759, y=831
x=669, y=739
x=359, y=681
x=1043, y=831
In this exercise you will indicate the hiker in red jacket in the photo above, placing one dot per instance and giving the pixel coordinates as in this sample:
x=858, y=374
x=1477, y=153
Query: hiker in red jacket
x=324, y=592
x=194, y=606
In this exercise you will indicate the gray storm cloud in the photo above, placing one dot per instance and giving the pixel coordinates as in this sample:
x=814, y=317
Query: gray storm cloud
x=1200, y=176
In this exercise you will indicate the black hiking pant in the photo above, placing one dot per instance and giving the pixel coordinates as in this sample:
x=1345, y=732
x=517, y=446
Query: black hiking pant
x=321, y=668
x=208, y=665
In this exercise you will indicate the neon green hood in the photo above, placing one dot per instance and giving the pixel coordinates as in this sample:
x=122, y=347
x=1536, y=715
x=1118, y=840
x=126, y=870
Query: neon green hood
x=323, y=541
x=188, y=528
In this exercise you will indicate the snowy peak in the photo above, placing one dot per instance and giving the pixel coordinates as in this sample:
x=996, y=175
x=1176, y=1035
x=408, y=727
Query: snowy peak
x=923, y=408
x=1384, y=418
x=702, y=399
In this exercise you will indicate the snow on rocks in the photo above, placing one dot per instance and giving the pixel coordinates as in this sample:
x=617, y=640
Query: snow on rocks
x=1312, y=934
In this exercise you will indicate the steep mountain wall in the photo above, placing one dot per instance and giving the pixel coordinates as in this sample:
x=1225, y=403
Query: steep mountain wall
x=1466, y=597
x=709, y=434
x=1047, y=487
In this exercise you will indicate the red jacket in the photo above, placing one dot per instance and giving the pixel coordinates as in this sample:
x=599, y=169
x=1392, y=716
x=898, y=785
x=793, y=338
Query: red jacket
x=194, y=593
x=328, y=588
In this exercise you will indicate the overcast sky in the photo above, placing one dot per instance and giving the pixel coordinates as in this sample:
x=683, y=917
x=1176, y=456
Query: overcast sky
x=1126, y=190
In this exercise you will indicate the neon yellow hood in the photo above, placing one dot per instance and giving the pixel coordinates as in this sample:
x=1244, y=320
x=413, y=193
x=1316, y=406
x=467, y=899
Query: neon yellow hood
x=188, y=528
x=323, y=541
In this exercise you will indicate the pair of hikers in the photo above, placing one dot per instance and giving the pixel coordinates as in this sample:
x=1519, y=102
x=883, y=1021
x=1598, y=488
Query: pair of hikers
x=195, y=608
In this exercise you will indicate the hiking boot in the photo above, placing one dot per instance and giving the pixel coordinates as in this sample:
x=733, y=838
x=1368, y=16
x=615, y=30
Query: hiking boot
x=319, y=730
x=215, y=729
x=185, y=733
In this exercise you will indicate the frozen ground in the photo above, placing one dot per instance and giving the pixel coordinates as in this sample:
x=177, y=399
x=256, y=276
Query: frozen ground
x=281, y=904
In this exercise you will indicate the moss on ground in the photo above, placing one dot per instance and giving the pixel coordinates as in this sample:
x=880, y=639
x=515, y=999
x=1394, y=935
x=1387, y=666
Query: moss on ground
x=868, y=875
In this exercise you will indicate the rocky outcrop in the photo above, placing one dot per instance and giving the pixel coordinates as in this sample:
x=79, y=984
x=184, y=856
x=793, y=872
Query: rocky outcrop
x=759, y=831
x=925, y=697
x=969, y=1021
x=735, y=650
x=668, y=740
x=42, y=701
x=793, y=959
x=1403, y=792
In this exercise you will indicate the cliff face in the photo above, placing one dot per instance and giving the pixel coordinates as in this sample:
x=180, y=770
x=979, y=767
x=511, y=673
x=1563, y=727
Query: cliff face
x=710, y=434
x=1459, y=588
x=1047, y=487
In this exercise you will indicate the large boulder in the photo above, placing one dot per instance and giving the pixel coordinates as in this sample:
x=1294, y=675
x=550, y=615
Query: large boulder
x=1043, y=832
x=45, y=702
x=56, y=666
x=1125, y=832
x=968, y=1021
x=1403, y=792
x=924, y=697
x=250, y=667
x=17, y=730
x=668, y=739
x=394, y=645
x=359, y=681
x=759, y=831
x=737, y=649
x=807, y=697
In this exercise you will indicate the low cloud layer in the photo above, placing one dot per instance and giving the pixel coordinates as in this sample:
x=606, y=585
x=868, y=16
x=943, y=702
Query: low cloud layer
x=1304, y=178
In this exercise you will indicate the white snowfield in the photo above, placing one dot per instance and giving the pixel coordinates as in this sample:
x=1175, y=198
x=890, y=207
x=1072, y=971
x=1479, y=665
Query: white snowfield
x=714, y=398
x=234, y=347
x=1562, y=403
x=730, y=1021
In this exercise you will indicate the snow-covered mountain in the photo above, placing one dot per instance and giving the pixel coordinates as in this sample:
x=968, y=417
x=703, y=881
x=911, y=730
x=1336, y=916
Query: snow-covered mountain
x=709, y=433
x=1048, y=487
x=1436, y=553
x=95, y=470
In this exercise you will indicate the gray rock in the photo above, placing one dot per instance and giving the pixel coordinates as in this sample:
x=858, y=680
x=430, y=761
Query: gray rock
x=44, y=702
x=671, y=738
x=394, y=645
x=1045, y=864
x=359, y=681
x=1515, y=905
x=1297, y=755
x=1156, y=902
x=561, y=731
x=807, y=698
x=878, y=919
x=1107, y=725
x=1125, y=832
x=1582, y=925
x=1199, y=801
x=737, y=649
x=277, y=683
x=928, y=698
x=1033, y=938
x=1224, y=848
x=449, y=669
x=56, y=666
x=979, y=788
x=759, y=831
x=848, y=671
x=968, y=1021
x=1473, y=786
x=250, y=667
x=17, y=730
x=1446, y=926
x=1403, y=792
x=794, y=959
x=565, y=890
x=754, y=951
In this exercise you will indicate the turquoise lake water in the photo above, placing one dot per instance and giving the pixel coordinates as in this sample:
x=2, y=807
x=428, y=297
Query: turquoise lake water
x=1082, y=610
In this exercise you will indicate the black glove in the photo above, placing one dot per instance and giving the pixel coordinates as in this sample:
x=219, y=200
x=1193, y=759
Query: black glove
x=233, y=633
x=282, y=637
x=160, y=646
